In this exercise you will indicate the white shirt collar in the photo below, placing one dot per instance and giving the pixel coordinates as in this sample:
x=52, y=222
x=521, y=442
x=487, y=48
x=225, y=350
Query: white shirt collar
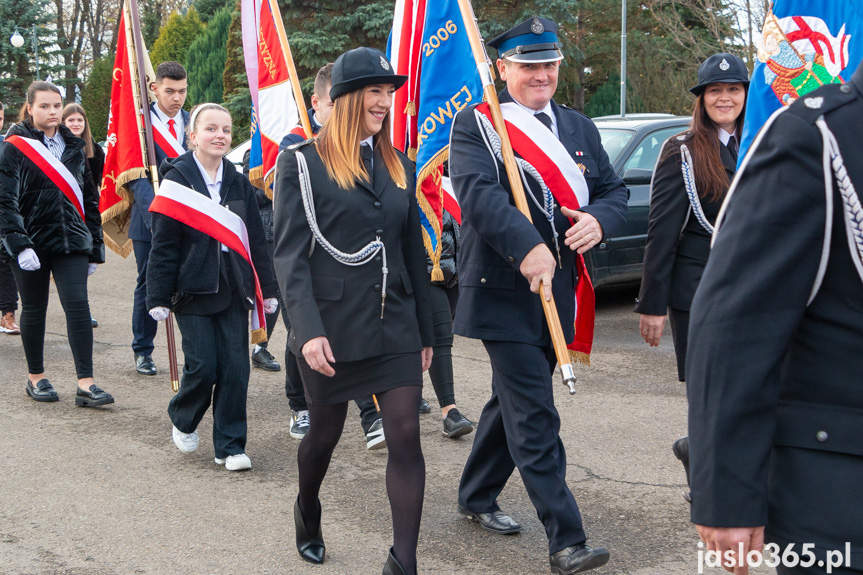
x=214, y=188
x=548, y=110
x=368, y=142
x=179, y=127
x=725, y=136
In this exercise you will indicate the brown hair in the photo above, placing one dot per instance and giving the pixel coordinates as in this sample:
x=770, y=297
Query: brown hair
x=37, y=86
x=73, y=108
x=170, y=69
x=339, y=144
x=702, y=139
x=323, y=79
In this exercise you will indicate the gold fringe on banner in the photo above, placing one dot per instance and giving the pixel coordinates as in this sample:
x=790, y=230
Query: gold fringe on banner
x=432, y=168
x=269, y=182
x=411, y=109
x=579, y=357
x=412, y=155
x=256, y=176
x=259, y=335
x=115, y=220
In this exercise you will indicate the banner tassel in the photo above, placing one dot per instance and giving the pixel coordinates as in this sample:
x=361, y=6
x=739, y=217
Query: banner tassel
x=259, y=335
x=437, y=273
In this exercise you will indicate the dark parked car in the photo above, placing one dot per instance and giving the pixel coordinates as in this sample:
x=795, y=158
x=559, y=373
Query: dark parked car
x=633, y=144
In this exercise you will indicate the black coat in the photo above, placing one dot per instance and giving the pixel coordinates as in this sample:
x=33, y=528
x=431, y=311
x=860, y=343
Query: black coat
x=34, y=213
x=185, y=262
x=449, y=256
x=775, y=394
x=677, y=245
x=495, y=301
x=97, y=165
x=324, y=297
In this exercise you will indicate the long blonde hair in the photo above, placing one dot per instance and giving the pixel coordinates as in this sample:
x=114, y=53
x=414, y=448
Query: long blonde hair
x=339, y=144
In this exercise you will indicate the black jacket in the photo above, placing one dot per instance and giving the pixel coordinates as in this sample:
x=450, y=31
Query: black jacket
x=185, y=262
x=495, y=301
x=324, y=297
x=450, y=240
x=775, y=397
x=34, y=213
x=677, y=245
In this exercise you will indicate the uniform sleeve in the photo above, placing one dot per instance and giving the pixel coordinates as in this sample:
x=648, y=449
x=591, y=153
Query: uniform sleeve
x=12, y=231
x=163, y=266
x=751, y=300
x=258, y=243
x=668, y=208
x=291, y=258
x=415, y=260
x=481, y=186
x=609, y=198
x=92, y=217
x=142, y=190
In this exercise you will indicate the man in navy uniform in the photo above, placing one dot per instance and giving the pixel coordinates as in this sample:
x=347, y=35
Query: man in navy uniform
x=170, y=88
x=504, y=257
x=776, y=346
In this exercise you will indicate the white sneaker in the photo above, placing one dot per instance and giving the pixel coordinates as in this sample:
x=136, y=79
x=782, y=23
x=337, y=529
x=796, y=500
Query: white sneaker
x=300, y=422
x=375, y=438
x=185, y=442
x=239, y=462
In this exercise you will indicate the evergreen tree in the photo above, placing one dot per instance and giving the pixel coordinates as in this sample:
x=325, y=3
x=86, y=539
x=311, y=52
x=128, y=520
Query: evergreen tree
x=176, y=36
x=96, y=97
x=205, y=60
x=17, y=65
x=209, y=8
x=236, y=96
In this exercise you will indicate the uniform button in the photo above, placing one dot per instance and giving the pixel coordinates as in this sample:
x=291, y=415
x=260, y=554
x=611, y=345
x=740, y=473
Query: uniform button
x=379, y=232
x=821, y=436
x=511, y=259
x=482, y=281
x=377, y=258
x=377, y=205
x=845, y=89
x=378, y=287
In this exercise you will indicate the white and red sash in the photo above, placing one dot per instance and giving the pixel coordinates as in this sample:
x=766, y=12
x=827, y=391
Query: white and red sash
x=163, y=138
x=201, y=213
x=52, y=167
x=533, y=141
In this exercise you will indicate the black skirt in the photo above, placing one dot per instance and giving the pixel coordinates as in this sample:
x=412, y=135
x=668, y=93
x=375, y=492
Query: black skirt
x=356, y=379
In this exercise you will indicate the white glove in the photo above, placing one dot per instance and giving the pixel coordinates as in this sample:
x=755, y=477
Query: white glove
x=91, y=269
x=271, y=305
x=159, y=313
x=29, y=261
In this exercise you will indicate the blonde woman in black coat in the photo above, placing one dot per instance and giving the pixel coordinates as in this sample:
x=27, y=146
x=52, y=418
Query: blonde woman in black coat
x=689, y=185
x=351, y=264
x=50, y=227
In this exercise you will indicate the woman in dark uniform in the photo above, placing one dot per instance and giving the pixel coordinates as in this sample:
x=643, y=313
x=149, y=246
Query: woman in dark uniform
x=691, y=179
x=350, y=261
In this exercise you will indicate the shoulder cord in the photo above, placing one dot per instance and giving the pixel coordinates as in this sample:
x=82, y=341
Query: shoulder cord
x=691, y=192
x=492, y=142
x=358, y=258
x=850, y=201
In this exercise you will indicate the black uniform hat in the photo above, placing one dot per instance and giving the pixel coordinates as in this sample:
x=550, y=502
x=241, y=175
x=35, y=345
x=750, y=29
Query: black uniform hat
x=721, y=68
x=362, y=67
x=534, y=40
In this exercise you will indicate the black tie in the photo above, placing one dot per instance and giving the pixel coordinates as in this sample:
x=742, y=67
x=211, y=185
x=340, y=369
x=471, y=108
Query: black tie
x=545, y=119
x=367, y=154
x=733, y=147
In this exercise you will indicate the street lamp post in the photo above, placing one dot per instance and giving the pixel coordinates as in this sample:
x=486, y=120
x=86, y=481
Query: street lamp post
x=623, y=61
x=17, y=40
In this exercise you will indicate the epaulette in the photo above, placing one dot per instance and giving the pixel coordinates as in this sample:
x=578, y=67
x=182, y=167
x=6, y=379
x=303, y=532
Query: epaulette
x=565, y=107
x=299, y=145
x=822, y=101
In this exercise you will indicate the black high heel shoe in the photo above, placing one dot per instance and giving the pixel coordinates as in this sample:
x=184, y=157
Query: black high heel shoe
x=311, y=549
x=392, y=566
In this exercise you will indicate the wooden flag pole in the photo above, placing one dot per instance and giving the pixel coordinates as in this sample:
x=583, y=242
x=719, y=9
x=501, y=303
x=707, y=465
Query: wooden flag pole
x=143, y=104
x=518, y=194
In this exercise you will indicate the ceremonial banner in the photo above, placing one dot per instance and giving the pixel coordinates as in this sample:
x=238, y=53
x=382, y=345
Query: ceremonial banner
x=448, y=82
x=125, y=159
x=273, y=85
x=403, y=50
x=804, y=45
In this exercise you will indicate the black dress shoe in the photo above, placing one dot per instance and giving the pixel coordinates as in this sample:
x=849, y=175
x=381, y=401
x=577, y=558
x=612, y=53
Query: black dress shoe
x=93, y=321
x=424, y=406
x=392, y=566
x=577, y=559
x=680, y=448
x=144, y=364
x=263, y=359
x=312, y=549
x=93, y=397
x=455, y=424
x=496, y=521
x=42, y=391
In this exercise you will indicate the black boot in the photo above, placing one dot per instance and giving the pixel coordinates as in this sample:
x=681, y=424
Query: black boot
x=311, y=549
x=392, y=566
x=681, y=452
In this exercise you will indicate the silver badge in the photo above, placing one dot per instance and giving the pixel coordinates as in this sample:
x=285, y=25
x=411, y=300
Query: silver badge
x=536, y=26
x=814, y=103
x=724, y=65
x=384, y=64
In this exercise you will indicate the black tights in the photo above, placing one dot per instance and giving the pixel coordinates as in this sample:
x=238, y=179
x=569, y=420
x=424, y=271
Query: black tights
x=405, y=465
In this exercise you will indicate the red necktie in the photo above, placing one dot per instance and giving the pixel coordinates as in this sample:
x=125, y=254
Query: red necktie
x=171, y=129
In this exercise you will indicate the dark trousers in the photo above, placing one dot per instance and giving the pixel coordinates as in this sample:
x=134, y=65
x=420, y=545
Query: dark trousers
x=272, y=318
x=216, y=366
x=8, y=288
x=293, y=383
x=679, y=320
x=70, y=277
x=519, y=427
x=443, y=301
x=143, y=326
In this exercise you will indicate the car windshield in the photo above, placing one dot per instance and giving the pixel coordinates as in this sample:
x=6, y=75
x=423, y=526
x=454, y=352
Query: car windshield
x=614, y=141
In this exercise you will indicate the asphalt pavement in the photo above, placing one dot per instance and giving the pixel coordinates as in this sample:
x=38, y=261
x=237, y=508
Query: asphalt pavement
x=105, y=491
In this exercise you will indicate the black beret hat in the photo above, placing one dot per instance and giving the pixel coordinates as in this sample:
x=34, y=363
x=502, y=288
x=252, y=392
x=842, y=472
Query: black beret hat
x=362, y=67
x=721, y=68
